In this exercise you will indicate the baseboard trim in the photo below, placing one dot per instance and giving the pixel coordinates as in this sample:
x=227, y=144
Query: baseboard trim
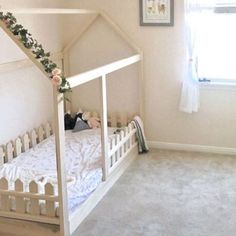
x=192, y=148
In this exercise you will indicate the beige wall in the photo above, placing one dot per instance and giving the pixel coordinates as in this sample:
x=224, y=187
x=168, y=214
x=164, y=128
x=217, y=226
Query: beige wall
x=99, y=46
x=163, y=49
x=25, y=95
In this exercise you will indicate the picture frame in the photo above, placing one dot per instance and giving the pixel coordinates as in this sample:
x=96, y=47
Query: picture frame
x=156, y=12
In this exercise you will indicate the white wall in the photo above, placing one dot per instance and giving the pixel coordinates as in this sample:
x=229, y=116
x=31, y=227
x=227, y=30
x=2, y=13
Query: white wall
x=25, y=94
x=163, y=49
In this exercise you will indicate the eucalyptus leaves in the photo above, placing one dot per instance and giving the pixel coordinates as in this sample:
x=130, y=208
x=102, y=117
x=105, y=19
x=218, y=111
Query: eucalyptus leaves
x=54, y=73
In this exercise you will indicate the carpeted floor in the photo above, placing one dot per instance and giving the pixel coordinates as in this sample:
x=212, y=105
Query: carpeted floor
x=167, y=193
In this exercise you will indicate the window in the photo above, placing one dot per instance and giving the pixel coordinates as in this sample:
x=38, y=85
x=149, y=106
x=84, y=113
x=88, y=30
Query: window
x=216, y=44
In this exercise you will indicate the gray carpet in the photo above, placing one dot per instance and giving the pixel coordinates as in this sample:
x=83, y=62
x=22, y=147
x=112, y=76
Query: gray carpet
x=167, y=193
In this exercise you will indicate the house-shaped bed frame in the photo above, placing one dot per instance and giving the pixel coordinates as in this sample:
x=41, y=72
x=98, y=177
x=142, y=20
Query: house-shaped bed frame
x=116, y=157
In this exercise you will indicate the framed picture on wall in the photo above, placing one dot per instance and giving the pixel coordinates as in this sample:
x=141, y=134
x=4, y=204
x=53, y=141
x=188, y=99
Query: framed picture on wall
x=156, y=12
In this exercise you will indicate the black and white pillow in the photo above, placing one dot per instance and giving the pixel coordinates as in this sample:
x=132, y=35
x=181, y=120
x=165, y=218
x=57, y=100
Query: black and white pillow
x=69, y=121
x=80, y=125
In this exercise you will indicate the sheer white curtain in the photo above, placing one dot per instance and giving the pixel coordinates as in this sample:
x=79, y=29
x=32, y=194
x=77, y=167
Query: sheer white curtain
x=190, y=98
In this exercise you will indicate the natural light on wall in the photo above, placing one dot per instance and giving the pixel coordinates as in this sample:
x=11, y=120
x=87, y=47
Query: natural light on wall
x=216, y=44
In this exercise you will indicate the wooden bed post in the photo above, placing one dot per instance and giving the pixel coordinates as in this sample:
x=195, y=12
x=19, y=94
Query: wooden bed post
x=60, y=158
x=66, y=70
x=104, y=135
x=141, y=88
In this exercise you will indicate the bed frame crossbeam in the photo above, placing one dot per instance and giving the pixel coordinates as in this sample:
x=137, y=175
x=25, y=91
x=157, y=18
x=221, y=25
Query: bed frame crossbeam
x=50, y=11
x=29, y=195
x=103, y=70
x=29, y=217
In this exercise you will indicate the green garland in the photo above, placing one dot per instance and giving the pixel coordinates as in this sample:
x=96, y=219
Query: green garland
x=51, y=68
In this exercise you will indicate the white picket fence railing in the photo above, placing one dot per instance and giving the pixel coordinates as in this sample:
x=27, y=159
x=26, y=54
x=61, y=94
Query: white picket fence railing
x=21, y=144
x=31, y=202
x=17, y=200
x=120, y=146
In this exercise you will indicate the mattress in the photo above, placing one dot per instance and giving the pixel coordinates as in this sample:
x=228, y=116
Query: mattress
x=83, y=165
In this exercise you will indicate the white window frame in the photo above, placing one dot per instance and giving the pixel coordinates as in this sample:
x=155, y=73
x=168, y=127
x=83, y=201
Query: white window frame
x=229, y=8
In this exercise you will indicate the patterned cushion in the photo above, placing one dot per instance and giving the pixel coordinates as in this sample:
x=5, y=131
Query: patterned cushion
x=80, y=125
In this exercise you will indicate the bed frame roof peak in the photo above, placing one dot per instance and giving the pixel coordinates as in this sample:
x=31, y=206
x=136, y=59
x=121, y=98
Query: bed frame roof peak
x=76, y=38
x=58, y=11
x=112, y=24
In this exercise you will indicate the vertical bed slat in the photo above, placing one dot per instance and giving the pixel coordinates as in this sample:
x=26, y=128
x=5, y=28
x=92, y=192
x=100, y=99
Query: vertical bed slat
x=113, y=120
x=40, y=134
x=118, y=150
x=9, y=151
x=33, y=138
x=124, y=119
x=25, y=142
x=110, y=157
x=52, y=128
x=50, y=205
x=48, y=130
x=130, y=139
x=113, y=157
x=34, y=203
x=20, y=203
x=2, y=156
x=118, y=123
x=5, y=201
x=133, y=138
x=17, y=147
x=126, y=130
x=122, y=149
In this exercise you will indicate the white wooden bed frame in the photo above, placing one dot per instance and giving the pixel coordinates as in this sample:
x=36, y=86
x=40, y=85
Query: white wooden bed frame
x=116, y=157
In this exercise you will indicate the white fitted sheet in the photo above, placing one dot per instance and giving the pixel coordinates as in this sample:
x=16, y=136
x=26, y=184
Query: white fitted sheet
x=83, y=165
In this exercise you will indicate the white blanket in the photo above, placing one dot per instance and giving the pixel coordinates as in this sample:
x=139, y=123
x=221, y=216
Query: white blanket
x=83, y=165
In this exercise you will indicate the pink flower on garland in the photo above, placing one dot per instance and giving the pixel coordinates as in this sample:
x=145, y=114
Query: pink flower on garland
x=56, y=80
x=7, y=22
x=56, y=71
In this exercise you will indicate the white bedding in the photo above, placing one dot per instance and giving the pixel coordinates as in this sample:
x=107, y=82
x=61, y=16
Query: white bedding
x=83, y=165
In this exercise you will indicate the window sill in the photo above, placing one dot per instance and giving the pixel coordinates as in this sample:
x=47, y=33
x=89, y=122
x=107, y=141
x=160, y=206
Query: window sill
x=217, y=85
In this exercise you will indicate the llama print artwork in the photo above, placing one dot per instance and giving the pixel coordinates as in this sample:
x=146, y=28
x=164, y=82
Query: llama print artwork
x=156, y=12
x=156, y=7
x=161, y=7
